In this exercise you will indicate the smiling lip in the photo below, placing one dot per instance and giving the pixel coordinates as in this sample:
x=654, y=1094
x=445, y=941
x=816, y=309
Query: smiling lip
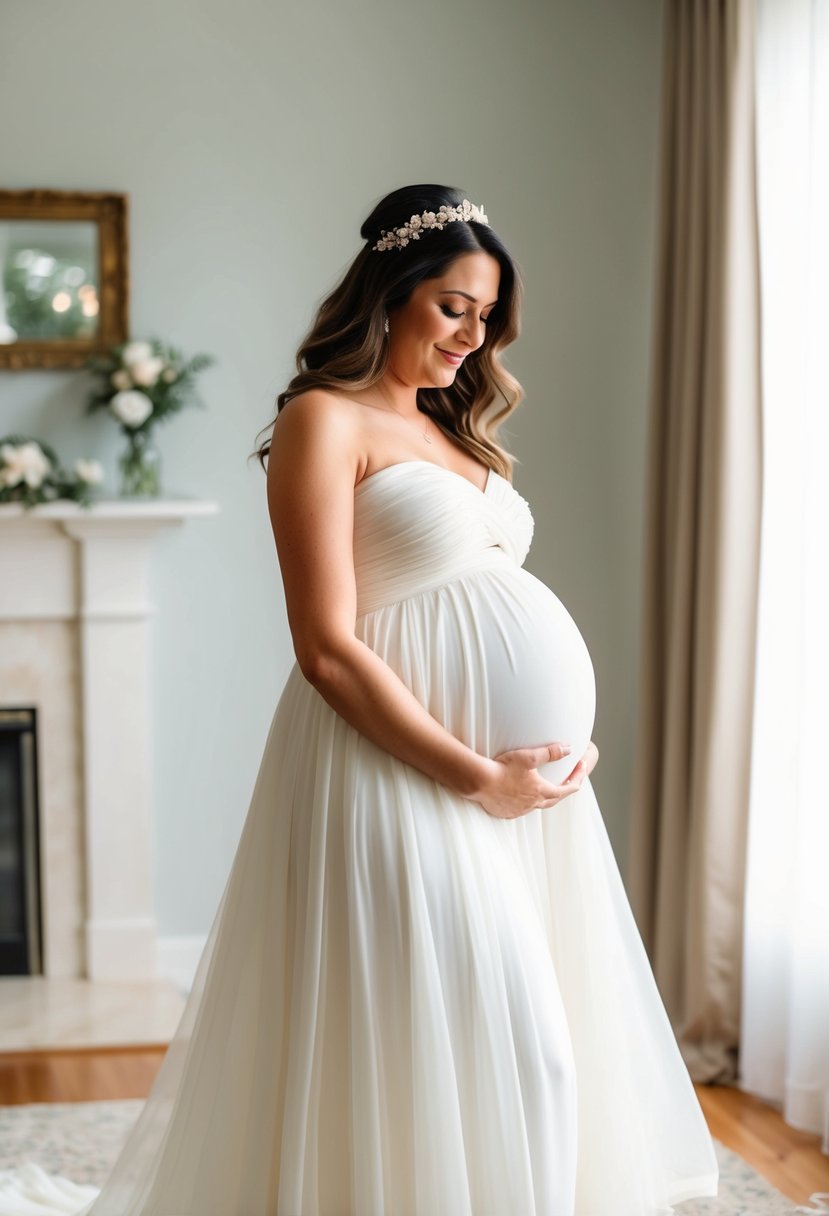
x=455, y=360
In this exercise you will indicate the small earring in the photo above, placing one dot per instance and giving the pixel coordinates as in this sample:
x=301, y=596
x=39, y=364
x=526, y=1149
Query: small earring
x=386, y=325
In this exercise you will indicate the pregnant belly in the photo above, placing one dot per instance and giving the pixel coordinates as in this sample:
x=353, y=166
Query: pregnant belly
x=539, y=680
x=497, y=659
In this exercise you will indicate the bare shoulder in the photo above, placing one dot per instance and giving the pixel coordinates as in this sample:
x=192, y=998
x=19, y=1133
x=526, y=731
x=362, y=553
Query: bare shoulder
x=316, y=411
x=317, y=428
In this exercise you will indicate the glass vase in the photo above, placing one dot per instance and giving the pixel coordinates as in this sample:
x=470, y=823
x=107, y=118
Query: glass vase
x=140, y=465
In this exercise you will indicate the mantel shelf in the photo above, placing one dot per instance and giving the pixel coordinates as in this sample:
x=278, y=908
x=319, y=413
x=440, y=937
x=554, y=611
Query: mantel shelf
x=110, y=510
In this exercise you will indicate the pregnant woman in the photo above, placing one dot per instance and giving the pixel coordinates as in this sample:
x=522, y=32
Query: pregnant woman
x=423, y=993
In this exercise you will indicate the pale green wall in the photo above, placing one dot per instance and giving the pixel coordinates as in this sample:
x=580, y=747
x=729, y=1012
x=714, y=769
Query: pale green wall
x=252, y=139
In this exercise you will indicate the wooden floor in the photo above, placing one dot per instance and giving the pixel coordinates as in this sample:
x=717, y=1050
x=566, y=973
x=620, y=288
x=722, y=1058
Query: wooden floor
x=790, y=1160
x=78, y=1074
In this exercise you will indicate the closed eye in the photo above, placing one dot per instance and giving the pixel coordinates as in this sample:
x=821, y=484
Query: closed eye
x=457, y=315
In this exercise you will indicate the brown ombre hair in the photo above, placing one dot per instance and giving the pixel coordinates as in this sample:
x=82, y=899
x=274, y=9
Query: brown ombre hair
x=346, y=347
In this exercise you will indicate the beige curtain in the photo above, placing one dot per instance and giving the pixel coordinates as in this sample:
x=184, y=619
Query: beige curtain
x=690, y=796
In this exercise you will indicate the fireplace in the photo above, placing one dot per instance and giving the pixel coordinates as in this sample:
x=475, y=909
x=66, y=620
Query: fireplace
x=20, y=920
x=75, y=613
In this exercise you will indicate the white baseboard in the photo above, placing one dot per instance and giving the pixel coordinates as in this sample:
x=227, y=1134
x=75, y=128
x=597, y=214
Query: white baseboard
x=178, y=958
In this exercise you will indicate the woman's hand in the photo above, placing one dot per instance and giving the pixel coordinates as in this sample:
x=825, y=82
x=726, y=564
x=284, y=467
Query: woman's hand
x=515, y=787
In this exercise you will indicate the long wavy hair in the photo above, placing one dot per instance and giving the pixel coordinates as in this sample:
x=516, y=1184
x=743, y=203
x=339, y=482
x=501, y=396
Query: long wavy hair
x=347, y=349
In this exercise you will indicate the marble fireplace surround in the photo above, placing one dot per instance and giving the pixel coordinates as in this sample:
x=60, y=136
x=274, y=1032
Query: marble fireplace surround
x=74, y=642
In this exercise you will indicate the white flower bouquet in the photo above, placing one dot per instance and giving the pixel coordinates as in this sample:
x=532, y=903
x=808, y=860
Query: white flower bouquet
x=141, y=384
x=30, y=473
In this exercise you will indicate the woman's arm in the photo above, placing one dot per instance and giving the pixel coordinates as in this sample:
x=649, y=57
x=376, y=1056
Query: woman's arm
x=314, y=463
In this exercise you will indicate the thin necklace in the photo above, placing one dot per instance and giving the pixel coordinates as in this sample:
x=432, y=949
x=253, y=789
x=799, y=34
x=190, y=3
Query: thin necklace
x=412, y=421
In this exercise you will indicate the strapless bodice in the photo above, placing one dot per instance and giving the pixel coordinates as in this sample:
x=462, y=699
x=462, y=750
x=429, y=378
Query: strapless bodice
x=439, y=572
x=418, y=525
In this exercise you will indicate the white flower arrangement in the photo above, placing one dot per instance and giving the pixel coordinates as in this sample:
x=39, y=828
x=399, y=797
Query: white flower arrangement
x=30, y=473
x=141, y=384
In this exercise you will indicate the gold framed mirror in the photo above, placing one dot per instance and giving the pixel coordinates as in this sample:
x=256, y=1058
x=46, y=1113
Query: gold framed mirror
x=64, y=277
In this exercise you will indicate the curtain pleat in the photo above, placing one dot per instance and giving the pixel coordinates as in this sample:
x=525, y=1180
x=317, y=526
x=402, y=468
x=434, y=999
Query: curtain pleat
x=690, y=797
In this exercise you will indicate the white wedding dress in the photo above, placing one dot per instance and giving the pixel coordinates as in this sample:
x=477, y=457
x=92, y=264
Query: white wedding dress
x=406, y=1007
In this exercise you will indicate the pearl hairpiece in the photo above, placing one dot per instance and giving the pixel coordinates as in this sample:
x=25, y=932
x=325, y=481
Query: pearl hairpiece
x=396, y=238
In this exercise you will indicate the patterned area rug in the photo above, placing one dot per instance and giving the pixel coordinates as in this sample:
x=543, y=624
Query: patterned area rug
x=81, y=1141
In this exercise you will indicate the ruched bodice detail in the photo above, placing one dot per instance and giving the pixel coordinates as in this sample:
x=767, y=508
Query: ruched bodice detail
x=418, y=525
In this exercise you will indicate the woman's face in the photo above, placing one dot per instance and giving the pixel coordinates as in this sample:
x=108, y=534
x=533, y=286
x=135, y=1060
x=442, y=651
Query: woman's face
x=443, y=321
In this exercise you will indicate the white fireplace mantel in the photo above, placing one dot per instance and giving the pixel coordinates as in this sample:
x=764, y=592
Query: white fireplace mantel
x=89, y=569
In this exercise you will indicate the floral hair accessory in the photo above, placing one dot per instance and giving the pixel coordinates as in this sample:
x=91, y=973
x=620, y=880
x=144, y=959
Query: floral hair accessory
x=396, y=238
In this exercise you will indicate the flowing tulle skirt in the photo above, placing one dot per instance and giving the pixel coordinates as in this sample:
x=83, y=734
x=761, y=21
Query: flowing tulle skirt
x=406, y=1006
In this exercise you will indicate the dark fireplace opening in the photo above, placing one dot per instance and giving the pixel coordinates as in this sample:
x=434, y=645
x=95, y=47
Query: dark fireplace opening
x=20, y=910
